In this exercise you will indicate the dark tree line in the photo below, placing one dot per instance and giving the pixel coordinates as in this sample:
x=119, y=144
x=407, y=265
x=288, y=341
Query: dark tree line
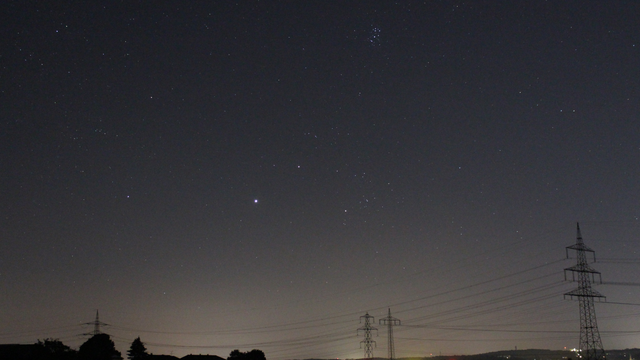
x=98, y=347
x=54, y=349
x=101, y=347
x=250, y=355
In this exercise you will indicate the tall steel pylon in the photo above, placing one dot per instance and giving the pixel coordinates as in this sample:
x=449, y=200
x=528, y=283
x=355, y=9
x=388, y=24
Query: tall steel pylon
x=590, y=343
x=390, y=321
x=368, y=342
x=96, y=325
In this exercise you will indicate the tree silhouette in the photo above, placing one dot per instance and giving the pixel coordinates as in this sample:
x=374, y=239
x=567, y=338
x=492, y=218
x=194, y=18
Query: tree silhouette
x=137, y=351
x=99, y=347
x=251, y=355
x=54, y=349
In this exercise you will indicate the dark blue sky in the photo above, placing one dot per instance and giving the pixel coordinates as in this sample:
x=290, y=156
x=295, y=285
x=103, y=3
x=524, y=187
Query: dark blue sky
x=214, y=176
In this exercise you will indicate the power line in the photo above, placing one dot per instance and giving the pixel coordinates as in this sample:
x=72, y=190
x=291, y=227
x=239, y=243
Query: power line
x=457, y=328
x=621, y=303
x=619, y=260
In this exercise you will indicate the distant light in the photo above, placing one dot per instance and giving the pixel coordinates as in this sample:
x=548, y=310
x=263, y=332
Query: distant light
x=255, y=201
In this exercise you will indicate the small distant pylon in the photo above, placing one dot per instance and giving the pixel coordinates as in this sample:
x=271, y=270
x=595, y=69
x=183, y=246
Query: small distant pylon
x=96, y=325
x=368, y=342
x=390, y=321
x=590, y=343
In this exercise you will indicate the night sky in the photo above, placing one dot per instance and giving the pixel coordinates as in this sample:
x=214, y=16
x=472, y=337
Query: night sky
x=218, y=175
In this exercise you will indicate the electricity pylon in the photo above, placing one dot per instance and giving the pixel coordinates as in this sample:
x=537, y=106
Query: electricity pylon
x=96, y=325
x=390, y=322
x=368, y=342
x=590, y=343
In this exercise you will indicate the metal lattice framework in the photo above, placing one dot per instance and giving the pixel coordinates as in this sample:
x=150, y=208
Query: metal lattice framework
x=367, y=329
x=96, y=325
x=582, y=273
x=390, y=322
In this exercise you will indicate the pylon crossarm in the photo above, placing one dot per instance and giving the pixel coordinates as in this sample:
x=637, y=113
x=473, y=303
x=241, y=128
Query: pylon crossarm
x=583, y=268
x=579, y=297
x=580, y=247
x=586, y=292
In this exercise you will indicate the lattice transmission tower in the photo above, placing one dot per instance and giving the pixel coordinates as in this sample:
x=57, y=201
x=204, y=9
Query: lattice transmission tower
x=582, y=273
x=367, y=329
x=96, y=325
x=390, y=321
